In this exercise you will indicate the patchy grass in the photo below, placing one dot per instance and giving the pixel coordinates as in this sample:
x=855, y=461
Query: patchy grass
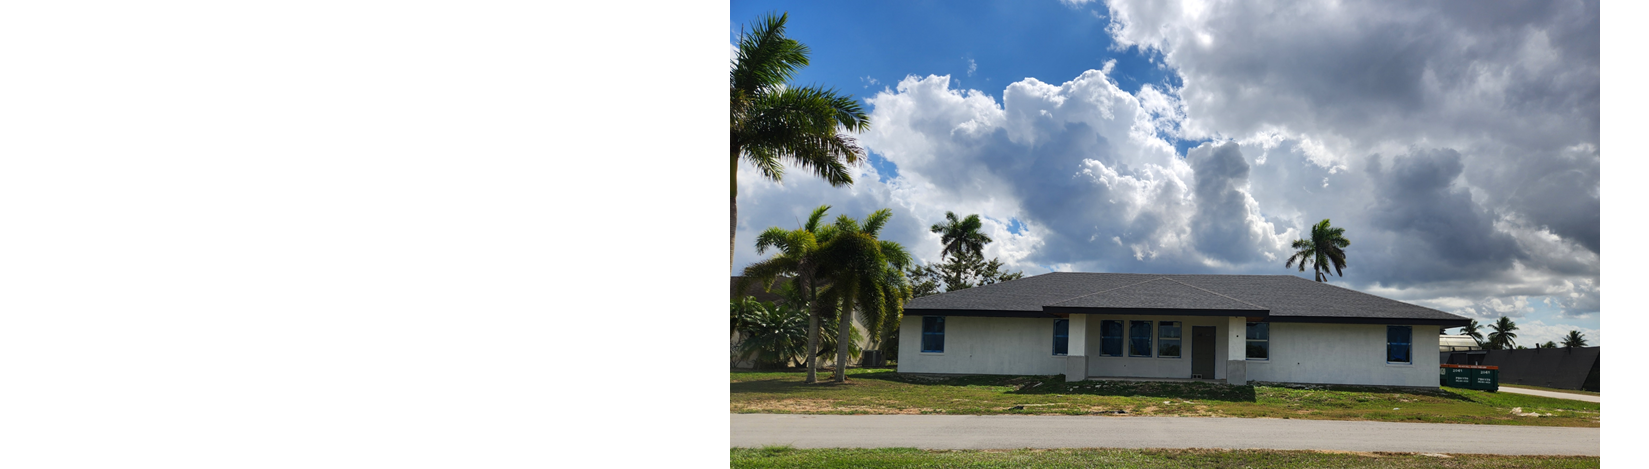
x=1141, y=458
x=882, y=391
x=1542, y=388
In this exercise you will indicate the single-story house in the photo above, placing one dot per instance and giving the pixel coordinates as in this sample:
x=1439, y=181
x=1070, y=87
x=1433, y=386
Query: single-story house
x=1235, y=328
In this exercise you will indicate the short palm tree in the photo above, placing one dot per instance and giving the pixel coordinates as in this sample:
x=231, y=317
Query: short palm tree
x=772, y=121
x=1502, y=337
x=1473, y=330
x=961, y=235
x=773, y=335
x=798, y=256
x=1574, y=339
x=866, y=274
x=741, y=310
x=1325, y=250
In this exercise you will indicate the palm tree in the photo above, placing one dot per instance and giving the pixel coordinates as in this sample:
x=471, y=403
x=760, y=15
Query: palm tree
x=1549, y=344
x=1501, y=337
x=772, y=121
x=798, y=256
x=1325, y=250
x=1473, y=330
x=960, y=236
x=1574, y=339
x=773, y=334
x=866, y=274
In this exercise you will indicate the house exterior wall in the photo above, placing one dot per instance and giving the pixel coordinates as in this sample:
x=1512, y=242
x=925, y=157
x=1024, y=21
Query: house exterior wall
x=1153, y=367
x=1300, y=352
x=983, y=346
x=1344, y=354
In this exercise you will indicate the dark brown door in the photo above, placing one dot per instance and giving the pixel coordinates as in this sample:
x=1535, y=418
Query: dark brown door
x=1202, y=352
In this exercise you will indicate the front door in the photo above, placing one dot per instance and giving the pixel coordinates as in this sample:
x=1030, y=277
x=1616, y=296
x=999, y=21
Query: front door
x=1202, y=352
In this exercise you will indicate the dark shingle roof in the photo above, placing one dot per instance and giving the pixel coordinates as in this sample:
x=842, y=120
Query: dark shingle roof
x=1284, y=298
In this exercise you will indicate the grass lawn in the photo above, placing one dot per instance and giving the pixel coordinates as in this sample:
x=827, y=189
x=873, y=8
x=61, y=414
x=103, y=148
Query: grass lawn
x=909, y=457
x=882, y=391
x=1540, y=388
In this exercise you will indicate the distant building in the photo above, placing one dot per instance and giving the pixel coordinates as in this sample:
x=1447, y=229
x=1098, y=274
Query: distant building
x=1460, y=350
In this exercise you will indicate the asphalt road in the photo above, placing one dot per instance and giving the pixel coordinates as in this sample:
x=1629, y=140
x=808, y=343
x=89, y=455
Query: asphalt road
x=1559, y=395
x=1026, y=431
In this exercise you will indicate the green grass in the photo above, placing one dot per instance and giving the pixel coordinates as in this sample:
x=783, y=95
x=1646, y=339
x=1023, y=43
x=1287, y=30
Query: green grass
x=780, y=456
x=882, y=391
x=1541, y=388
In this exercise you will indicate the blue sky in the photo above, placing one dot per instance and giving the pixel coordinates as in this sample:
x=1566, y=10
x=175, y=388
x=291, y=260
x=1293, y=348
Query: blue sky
x=1457, y=145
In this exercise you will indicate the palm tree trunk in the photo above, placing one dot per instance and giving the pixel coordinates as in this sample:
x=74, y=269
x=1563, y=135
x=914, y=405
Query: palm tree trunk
x=812, y=330
x=733, y=203
x=842, y=339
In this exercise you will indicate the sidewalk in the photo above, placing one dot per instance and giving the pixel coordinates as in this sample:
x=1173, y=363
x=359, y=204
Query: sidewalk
x=1037, y=431
x=1553, y=394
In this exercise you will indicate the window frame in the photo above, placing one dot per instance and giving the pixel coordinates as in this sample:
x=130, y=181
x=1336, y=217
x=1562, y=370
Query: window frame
x=1178, y=339
x=1066, y=336
x=1249, y=339
x=940, y=333
x=1409, y=345
x=1150, y=345
x=1121, y=339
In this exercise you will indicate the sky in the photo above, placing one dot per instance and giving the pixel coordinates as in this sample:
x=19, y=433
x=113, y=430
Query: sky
x=1456, y=143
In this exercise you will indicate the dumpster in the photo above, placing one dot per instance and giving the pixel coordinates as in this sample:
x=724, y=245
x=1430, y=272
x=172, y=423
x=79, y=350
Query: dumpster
x=1480, y=377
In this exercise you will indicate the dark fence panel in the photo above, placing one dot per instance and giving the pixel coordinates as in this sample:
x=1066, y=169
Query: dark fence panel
x=1551, y=367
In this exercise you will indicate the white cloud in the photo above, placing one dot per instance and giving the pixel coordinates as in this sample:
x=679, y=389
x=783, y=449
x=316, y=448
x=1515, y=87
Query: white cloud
x=972, y=66
x=1459, y=151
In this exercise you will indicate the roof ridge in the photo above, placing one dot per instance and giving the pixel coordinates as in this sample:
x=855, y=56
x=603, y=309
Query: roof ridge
x=1159, y=277
x=1221, y=295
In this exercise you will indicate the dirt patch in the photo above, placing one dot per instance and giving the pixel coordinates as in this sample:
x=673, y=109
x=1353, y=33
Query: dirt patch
x=1358, y=453
x=1148, y=410
x=818, y=406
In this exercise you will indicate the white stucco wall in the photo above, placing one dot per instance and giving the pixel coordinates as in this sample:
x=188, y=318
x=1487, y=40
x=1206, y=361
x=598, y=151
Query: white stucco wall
x=1300, y=352
x=1153, y=367
x=984, y=346
x=1344, y=354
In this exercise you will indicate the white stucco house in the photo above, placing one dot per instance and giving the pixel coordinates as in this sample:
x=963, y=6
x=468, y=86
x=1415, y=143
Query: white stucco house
x=1232, y=328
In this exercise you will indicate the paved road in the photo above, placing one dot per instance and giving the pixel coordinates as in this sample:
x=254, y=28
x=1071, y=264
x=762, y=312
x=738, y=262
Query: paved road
x=1026, y=431
x=1559, y=395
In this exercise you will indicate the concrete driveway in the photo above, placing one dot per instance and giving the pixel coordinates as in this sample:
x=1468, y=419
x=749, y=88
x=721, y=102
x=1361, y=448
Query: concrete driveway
x=1026, y=431
x=1553, y=394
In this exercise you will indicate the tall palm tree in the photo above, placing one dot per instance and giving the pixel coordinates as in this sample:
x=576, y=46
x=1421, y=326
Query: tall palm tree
x=1473, y=330
x=866, y=274
x=773, y=121
x=1502, y=337
x=1325, y=250
x=960, y=236
x=798, y=256
x=1574, y=339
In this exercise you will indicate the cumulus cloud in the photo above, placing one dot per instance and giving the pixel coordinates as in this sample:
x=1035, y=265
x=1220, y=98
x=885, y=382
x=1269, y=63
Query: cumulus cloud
x=1457, y=147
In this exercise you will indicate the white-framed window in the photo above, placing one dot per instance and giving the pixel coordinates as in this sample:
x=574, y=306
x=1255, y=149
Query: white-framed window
x=1110, y=338
x=933, y=334
x=1168, y=339
x=1399, y=344
x=1259, y=340
x=1139, y=338
x=1062, y=336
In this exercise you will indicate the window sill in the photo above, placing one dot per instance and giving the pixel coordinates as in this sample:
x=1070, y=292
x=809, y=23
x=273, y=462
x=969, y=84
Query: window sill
x=1402, y=364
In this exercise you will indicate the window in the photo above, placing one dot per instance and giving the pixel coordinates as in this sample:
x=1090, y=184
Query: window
x=1062, y=336
x=1139, y=338
x=1110, y=338
x=1168, y=338
x=933, y=334
x=1259, y=341
x=1398, y=342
